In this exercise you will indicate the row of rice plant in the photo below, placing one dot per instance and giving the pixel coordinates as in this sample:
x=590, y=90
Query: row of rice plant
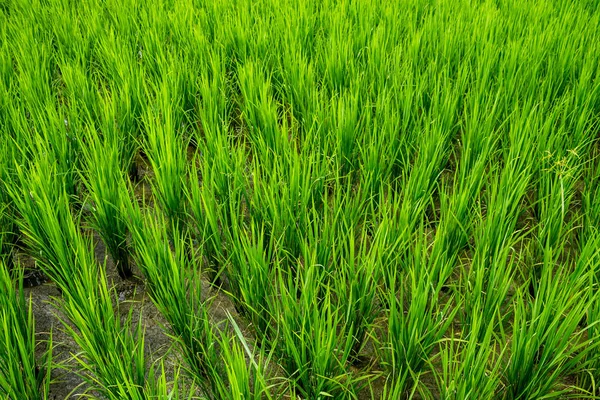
x=111, y=357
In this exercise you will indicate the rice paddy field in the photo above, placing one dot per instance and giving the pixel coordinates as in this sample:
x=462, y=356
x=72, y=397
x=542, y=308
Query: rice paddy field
x=299, y=199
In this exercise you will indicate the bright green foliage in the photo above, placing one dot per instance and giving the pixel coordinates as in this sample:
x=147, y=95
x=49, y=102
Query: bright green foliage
x=22, y=376
x=104, y=179
x=389, y=199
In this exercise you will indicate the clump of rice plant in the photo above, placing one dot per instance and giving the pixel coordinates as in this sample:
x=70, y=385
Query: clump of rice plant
x=546, y=340
x=22, y=375
x=6, y=235
x=416, y=321
x=244, y=374
x=357, y=283
x=214, y=195
x=251, y=274
x=166, y=149
x=489, y=277
x=314, y=344
x=588, y=259
x=470, y=364
x=104, y=179
x=7, y=231
x=175, y=287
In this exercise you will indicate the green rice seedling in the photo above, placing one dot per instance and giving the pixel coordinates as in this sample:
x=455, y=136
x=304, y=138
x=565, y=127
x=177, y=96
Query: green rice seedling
x=104, y=180
x=222, y=164
x=33, y=59
x=478, y=143
x=251, y=274
x=416, y=321
x=215, y=359
x=457, y=217
x=470, y=367
x=56, y=136
x=207, y=215
x=22, y=376
x=121, y=108
x=35, y=193
x=216, y=201
x=166, y=39
x=314, y=345
x=99, y=333
x=546, y=341
x=397, y=237
x=155, y=43
x=214, y=107
x=72, y=40
x=356, y=285
x=381, y=147
x=557, y=191
x=296, y=182
x=418, y=183
x=260, y=112
x=336, y=62
x=489, y=288
x=117, y=127
x=5, y=245
x=175, y=287
x=192, y=48
x=166, y=149
x=244, y=379
x=560, y=170
x=80, y=94
x=345, y=113
x=299, y=83
x=492, y=269
x=588, y=259
x=7, y=230
x=6, y=61
x=37, y=110
x=434, y=139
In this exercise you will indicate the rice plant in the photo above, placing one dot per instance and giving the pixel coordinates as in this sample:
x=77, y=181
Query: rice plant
x=416, y=321
x=546, y=340
x=176, y=290
x=22, y=374
x=166, y=150
x=104, y=179
x=314, y=346
x=471, y=366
